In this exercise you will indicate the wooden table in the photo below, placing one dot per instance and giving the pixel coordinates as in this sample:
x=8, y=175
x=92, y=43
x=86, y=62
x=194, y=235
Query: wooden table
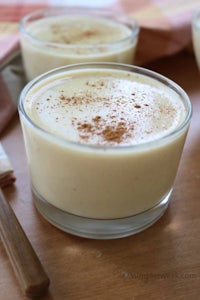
x=163, y=262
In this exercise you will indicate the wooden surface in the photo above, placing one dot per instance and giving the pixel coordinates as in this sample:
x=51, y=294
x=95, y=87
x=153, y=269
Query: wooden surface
x=28, y=269
x=162, y=262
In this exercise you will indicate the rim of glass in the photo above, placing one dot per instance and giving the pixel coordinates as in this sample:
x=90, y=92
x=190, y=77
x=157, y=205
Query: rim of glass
x=82, y=10
x=196, y=18
x=110, y=66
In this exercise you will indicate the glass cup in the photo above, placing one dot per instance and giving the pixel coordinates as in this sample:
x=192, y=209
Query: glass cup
x=196, y=35
x=56, y=37
x=105, y=188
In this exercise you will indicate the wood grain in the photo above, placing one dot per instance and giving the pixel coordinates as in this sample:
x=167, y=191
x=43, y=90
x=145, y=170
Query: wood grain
x=29, y=271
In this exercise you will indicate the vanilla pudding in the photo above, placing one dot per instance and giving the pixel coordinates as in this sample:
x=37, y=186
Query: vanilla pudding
x=103, y=142
x=54, y=38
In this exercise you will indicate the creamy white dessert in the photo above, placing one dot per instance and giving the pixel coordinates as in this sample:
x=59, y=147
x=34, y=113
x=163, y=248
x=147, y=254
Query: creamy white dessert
x=55, y=41
x=104, y=148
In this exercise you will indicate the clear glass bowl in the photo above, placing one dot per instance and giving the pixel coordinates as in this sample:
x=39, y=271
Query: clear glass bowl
x=42, y=51
x=138, y=179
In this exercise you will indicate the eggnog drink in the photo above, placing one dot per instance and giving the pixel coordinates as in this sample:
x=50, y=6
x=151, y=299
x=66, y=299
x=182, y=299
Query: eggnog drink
x=54, y=38
x=103, y=141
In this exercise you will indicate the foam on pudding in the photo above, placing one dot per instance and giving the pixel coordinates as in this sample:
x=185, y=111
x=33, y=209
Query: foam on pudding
x=105, y=108
x=79, y=30
x=95, y=141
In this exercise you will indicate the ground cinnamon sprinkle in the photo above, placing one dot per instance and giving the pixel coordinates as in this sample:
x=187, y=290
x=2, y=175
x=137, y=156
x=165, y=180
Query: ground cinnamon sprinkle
x=62, y=97
x=89, y=33
x=96, y=114
x=112, y=134
x=137, y=106
x=84, y=126
x=110, y=128
x=62, y=34
x=96, y=119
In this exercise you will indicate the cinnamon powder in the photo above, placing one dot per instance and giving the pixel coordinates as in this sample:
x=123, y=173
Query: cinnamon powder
x=100, y=127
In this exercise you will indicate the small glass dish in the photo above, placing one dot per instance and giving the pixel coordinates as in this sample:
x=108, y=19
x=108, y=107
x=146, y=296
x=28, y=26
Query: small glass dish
x=56, y=37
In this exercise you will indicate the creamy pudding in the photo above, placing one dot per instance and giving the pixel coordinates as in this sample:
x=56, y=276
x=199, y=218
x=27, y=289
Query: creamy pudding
x=52, y=38
x=102, y=142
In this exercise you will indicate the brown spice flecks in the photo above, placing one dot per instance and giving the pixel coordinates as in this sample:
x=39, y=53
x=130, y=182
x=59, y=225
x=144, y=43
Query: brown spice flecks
x=89, y=33
x=62, y=34
x=87, y=127
x=114, y=134
x=98, y=84
x=137, y=106
x=110, y=133
x=96, y=119
x=71, y=100
x=62, y=97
